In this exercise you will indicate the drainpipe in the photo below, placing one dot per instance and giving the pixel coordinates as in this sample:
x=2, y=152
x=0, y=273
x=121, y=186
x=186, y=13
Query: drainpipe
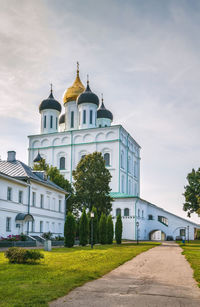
x=119, y=156
x=29, y=201
x=127, y=164
x=71, y=156
x=136, y=215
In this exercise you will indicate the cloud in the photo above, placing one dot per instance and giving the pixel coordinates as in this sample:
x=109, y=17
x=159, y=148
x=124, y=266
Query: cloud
x=144, y=57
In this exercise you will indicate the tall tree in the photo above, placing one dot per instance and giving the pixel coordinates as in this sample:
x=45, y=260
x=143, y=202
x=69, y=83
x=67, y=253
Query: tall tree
x=110, y=231
x=55, y=176
x=91, y=182
x=192, y=193
x=102, y=229
x=118, y=229
x=83, y=229
x=70, y=230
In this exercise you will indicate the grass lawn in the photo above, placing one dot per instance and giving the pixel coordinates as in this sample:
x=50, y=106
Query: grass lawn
x=192, y=253
x=62, y=270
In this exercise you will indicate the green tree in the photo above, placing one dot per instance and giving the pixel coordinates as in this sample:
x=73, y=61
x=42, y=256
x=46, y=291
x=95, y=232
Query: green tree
x=91, y=182
x=70, y=230
x=118, y=229
x=192, y=193
x=55, y=176
x=83, y=229
x=102, y=229
x=110, y=231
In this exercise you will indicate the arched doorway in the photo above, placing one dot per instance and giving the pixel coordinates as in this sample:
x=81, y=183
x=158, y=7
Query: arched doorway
x=157, y=235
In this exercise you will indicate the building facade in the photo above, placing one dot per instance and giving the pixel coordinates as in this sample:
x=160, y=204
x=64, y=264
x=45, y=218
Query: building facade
x=86, y=127
x=29, y=202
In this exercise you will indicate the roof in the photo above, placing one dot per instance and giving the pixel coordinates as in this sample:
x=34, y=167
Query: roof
x=19, y=170
x=102, y=112
x=88, y=97
x=50, y=103
x=123, y=195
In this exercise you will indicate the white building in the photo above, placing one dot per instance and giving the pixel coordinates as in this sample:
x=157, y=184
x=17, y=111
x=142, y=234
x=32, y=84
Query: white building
x=85, y=127
x=29, y=202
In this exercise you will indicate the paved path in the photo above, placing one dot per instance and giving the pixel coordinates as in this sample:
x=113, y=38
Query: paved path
x=159, y=277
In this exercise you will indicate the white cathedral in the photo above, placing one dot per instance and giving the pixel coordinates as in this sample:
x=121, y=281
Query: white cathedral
x=86, y=127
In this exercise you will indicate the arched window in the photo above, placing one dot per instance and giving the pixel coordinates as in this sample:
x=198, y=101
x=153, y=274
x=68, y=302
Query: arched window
x=122, y=159
x=122, y=184
x=62, y=163
x=72, y=119
x=45, y=121
x=142, y=213
x=51, y=121
x=84, y=116
x=150, y=217
x=118, y=211
x=126, y=212
x=138, y=212
x=106, y=157
x=91, y=116
x=83, y=156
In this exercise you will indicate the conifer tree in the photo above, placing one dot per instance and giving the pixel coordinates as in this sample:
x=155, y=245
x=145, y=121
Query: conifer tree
x=83, y=229
x=110, y=230
x=70, y=230
x=118, y=229
x=102, y=229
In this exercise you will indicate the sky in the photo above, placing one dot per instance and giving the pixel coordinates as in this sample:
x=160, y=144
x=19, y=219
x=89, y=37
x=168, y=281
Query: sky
x=143, y=55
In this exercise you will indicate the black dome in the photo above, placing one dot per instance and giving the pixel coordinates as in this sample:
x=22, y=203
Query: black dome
x=88, y=97
x=102, y=112
x=50, y=103
x=62, y=119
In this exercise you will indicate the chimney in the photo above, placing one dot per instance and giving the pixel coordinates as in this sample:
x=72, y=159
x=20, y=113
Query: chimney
x=11, y=156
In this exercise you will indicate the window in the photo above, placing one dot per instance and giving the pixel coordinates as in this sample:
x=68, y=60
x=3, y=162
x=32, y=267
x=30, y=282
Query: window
x=122, y=184
x=182, y=232
x=53, y=227
x=32, y=226
x=135, y=169
x=163, y=220
x=33, y=199
x=150, y=217
x=129, y=187
x=126, y=212
x=62, y=163
x=48, y=202
x=45, y=121
x=56, y=123
x=41, y=226
x=83, y=156
x=72, y=119
x=118, y=211
x=41, y=201
x=8, y=224
x=60, y=205
x=9, y=193
x=91, y=115
x=138, y=212
x=79, y=118
x=142, y=213
x=47, y=226
x=84, y=116
x=129, y=164
x=99, y=126
x=54, y=204
x=20, y=197
x=106, y=157
x=122, y=159
x=51, y=121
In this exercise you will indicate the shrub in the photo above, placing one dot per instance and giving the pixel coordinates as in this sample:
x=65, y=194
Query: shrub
x=110, y=230
x=83, y=229
x=70, y=230
x=20, y=255
x=102, y=229
x=118, y=229
x=23, y=237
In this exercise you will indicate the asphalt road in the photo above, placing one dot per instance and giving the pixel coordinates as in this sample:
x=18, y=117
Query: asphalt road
x=159, y=277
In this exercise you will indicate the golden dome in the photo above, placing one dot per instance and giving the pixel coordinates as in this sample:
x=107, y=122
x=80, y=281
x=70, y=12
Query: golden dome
x=75, y=90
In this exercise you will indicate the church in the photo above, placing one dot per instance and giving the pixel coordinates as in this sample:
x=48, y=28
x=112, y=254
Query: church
x=86, y=127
